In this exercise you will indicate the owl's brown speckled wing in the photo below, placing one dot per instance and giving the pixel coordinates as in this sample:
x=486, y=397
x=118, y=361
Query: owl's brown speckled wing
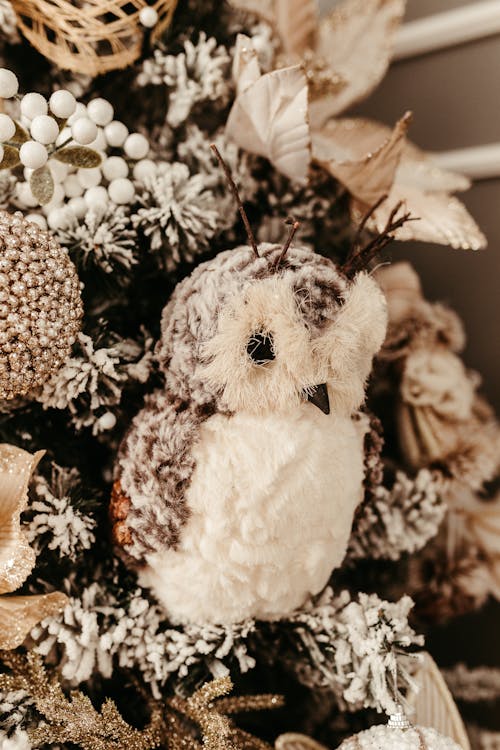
x=148, y=506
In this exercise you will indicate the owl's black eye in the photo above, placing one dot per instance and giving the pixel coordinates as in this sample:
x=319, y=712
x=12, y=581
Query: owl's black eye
x=260, y=348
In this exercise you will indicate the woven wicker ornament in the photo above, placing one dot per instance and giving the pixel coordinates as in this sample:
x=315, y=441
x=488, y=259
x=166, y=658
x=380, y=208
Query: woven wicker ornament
x=89, y=36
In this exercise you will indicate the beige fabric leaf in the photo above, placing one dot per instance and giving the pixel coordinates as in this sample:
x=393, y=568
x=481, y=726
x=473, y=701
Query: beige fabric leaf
x=296, y=24
x=362, y=154
x=270, y=119
x=433, y=704
x=246, y=68
x=356, y=42
x=417, y=169
x=262, y=8
x=442, y=218
x=16, y=556
x=19, y=615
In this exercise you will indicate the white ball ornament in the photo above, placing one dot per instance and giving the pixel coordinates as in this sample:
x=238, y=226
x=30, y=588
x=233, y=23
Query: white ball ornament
x=78, y=207
x=114, y=167
x=33, y=154
x=107, y=421
x=96, y=196
x=58, y=218
x=9, y=85
x=136, y=146
x=399, y=734
x=64, y=136
x=33, y=104
x=99, y=143
x=116, y=133
x=44, y=129
x=121, y=191
x=56, y=200
x=25, y=196
x=7, y=127
x=37, y=219
x=144, y=168
x=62, y=103
x=89, y=178
x=80, y=111
x=148, y=17
x=59, y=170
x=72, y=186
x=100, y=111
x=84, y=131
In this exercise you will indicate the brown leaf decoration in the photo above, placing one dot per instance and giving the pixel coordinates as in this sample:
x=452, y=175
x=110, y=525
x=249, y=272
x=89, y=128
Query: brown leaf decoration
x=18, y=614
x=362, y=154
x=269, y=118
x=441, y=218
x=417, y=169
x=10, y=157
x=42, y=185
x=355, y=41
x=296, y=22
x=433, y=704
x=21, y=135
x=78, y=156
x=16, y=556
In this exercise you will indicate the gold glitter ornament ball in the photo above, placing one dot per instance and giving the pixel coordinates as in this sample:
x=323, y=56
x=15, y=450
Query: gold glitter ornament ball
x=40, y=305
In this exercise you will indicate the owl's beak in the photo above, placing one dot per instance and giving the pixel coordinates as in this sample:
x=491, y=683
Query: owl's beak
x=319, y=397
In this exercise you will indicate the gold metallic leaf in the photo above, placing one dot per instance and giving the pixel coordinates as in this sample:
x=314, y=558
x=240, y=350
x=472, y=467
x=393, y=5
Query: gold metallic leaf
x=361, y=154
x=356, y=42
x=21, y=135
x=78, y=156
x=433, y=704
x=42, y=185
x=269, y=118
x=19, y=615
x=16, y=556
x=441, y=218
x=10, y=157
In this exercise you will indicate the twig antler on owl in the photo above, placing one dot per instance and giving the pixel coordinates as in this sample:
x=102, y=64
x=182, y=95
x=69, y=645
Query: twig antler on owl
x=361, y=255
x=251, y=237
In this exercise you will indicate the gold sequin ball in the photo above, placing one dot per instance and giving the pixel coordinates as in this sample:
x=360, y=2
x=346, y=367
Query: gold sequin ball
x=40, y=305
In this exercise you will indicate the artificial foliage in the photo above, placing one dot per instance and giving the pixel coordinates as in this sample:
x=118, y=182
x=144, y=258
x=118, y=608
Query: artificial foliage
x=138, y=208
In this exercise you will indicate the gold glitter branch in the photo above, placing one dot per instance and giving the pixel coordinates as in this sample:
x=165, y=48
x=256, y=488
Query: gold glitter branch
x=174, y=725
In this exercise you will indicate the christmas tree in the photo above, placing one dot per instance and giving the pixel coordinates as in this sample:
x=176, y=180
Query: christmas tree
x=236, y=455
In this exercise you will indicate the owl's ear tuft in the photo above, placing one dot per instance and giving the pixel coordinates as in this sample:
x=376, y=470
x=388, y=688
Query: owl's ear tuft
x=356, y=336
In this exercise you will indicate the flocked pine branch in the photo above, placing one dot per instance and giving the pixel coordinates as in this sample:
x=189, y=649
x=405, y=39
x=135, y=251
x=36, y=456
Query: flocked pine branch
x=398, y=519
x=353, y=649
x=473, y=685
x=198, y=74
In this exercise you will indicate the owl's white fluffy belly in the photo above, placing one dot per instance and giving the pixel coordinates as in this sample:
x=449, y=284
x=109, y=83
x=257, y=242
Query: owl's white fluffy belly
x=272, y=500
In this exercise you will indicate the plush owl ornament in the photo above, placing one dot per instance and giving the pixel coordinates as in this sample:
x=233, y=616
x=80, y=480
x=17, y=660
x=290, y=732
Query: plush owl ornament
x=237, y=482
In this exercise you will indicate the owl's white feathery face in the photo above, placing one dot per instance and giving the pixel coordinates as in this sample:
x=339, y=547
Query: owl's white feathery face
x=267, y=357
x=260, y=339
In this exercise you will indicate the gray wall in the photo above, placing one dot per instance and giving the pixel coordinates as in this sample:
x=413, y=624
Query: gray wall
x=455, y=98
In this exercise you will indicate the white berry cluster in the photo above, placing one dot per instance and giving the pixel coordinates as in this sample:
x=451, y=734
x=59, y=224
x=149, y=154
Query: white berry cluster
x=70, y=138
